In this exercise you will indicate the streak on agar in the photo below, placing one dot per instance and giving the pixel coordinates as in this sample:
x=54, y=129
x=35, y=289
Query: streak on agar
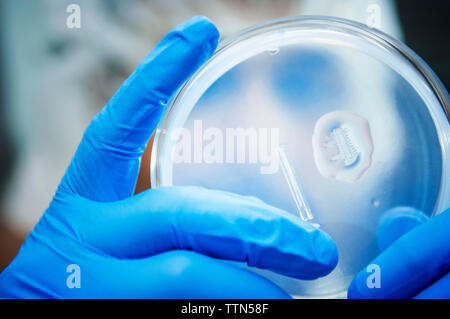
x=294, y=187
x=347, y=151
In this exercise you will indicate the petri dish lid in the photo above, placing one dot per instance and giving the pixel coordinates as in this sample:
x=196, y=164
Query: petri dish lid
x=323, y=117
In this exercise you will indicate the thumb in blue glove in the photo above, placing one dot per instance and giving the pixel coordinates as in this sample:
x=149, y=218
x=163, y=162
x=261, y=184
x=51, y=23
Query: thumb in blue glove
x=416, y=257
x=97, y=240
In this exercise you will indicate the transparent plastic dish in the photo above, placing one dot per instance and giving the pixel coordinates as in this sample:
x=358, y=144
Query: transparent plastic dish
x=325, y=118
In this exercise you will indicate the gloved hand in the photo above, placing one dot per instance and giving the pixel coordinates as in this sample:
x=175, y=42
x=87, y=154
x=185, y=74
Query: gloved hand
x=416, y=259
x=165, y=242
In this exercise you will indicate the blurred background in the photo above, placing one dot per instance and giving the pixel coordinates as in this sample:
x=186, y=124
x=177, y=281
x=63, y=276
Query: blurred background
x=54, y=79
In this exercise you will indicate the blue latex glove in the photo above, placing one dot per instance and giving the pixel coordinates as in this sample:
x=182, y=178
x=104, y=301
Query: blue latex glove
x=416, y=259
x=166, y=242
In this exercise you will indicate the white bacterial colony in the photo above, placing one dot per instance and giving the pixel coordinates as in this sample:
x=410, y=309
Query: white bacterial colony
x=342, y=146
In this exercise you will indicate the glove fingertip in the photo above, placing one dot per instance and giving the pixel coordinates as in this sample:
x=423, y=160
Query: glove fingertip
x=396, y=222
x=363, y=285
x=317, y=258
x=353, y=291
x=328, y=254
x=200, y=30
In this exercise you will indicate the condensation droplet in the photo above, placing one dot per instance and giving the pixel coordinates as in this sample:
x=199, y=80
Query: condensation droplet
x=273, y=51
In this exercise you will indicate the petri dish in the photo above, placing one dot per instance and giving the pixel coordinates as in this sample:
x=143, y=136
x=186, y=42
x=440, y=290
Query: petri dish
x=323, y=117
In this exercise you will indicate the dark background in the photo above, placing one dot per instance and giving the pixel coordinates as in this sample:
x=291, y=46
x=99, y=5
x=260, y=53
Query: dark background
x=426, y=26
